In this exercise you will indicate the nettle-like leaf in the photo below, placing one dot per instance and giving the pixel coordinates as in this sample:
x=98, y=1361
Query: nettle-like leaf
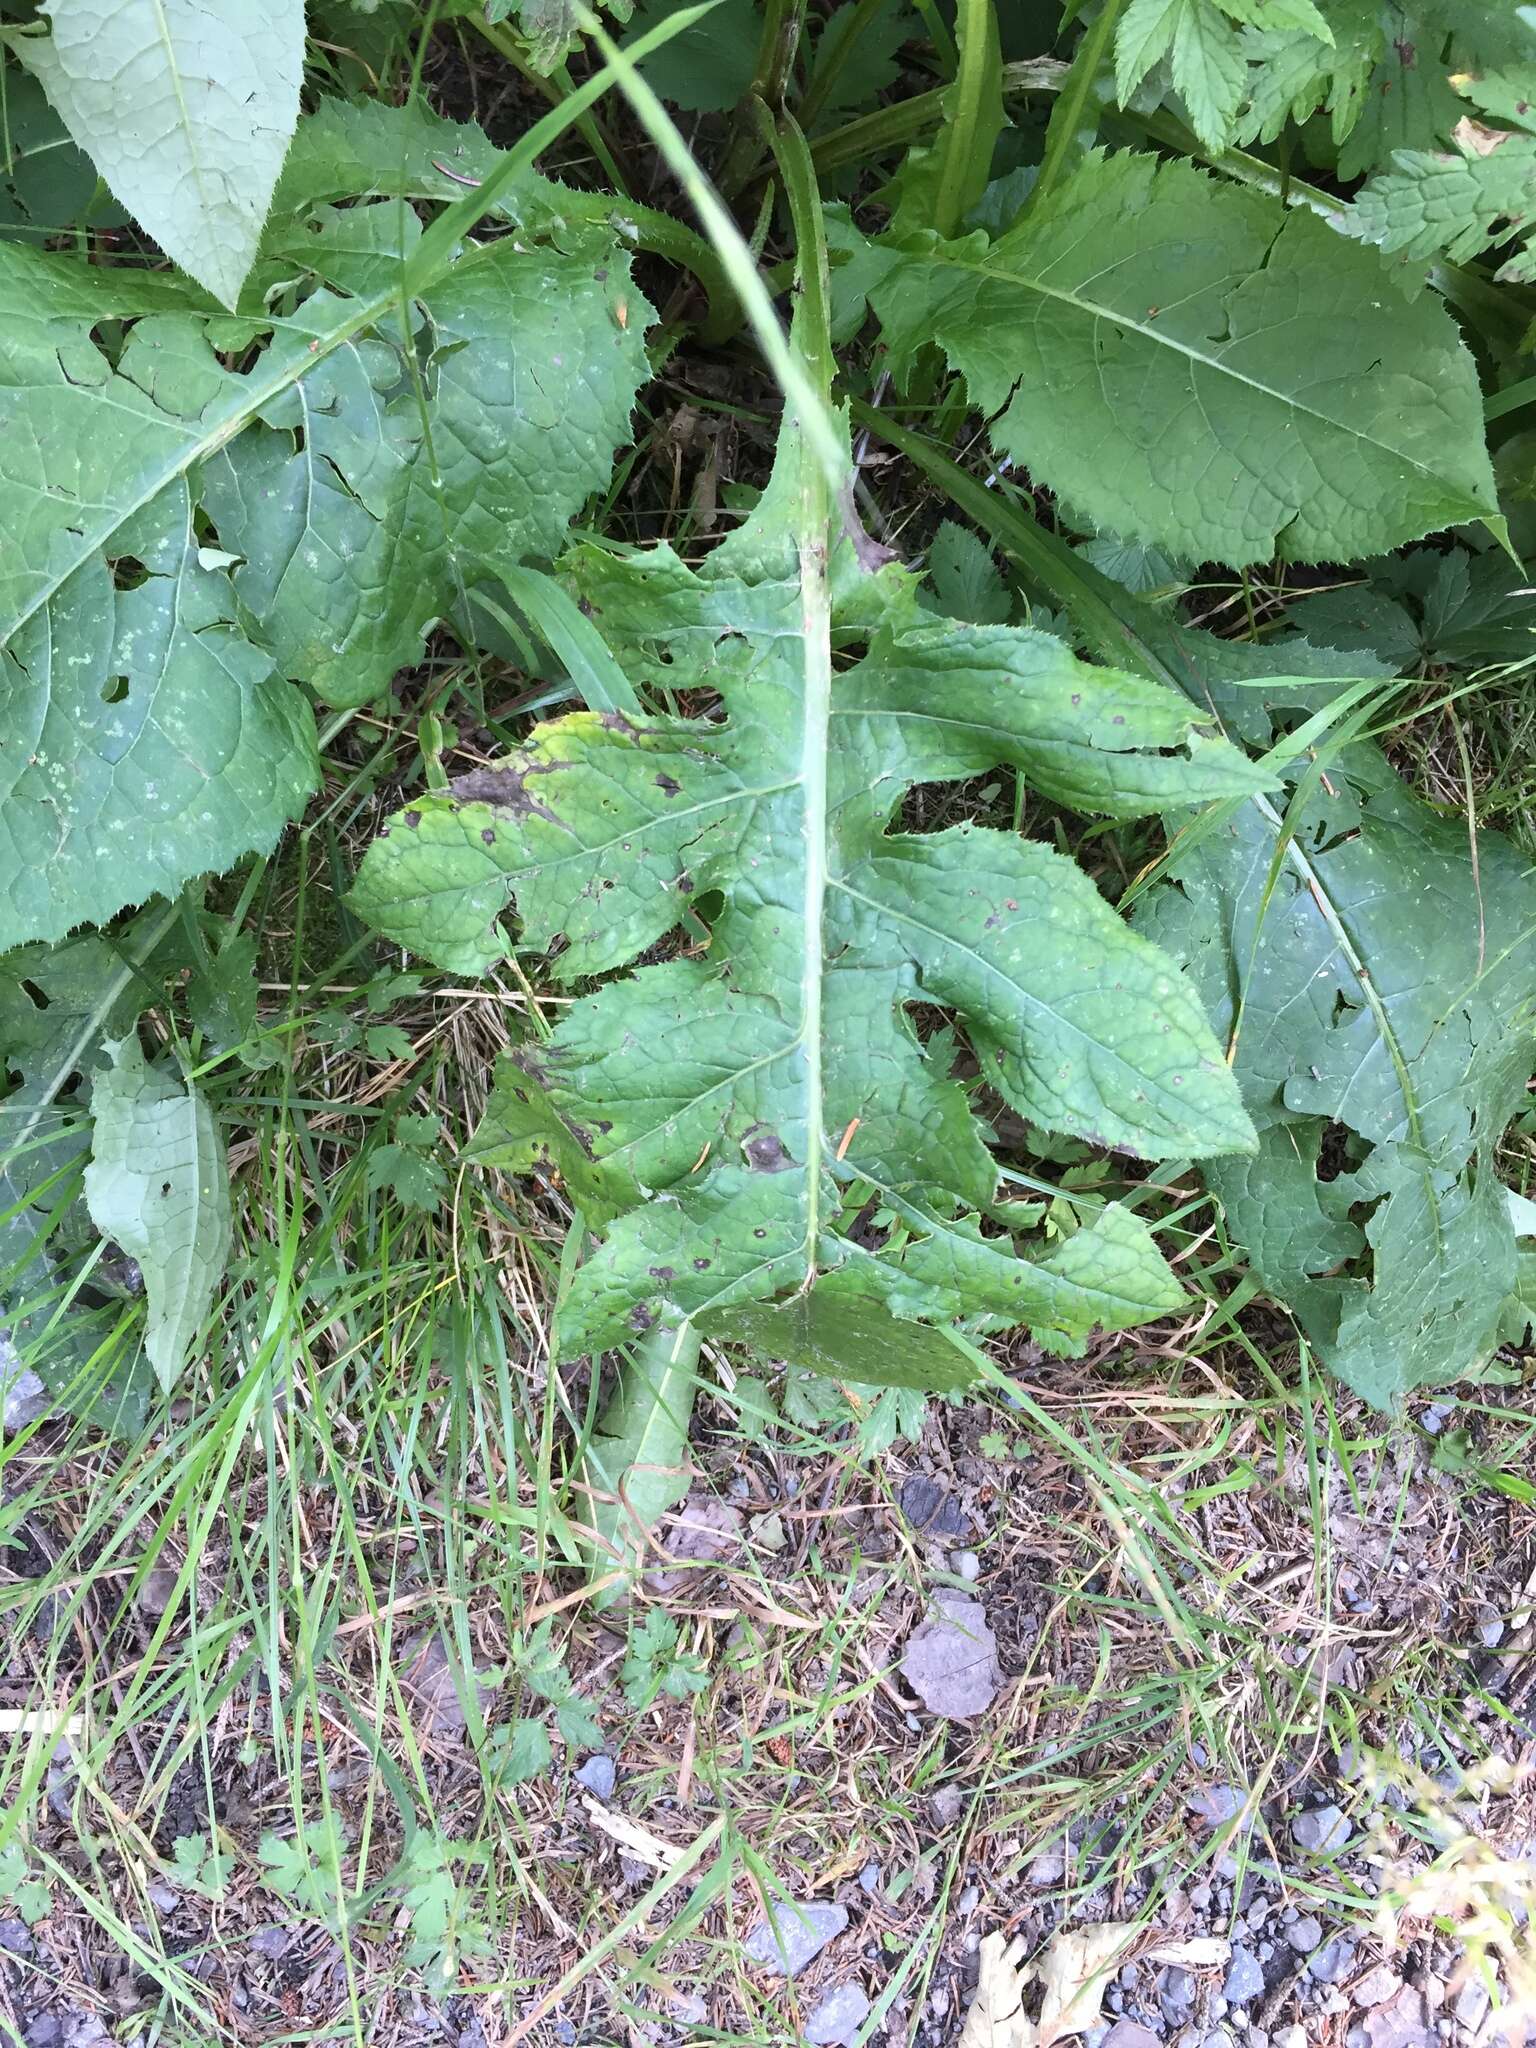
x=1201, y=42
x=733, y=1112
x=551, y=28
x=1454, y=205
x=1383, y=1006
x=1227, y=379
x=186, y=107
x=184, y=538
x=158, y=1185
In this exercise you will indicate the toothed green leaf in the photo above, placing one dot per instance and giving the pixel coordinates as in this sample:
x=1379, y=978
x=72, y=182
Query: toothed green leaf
x=1225, y=379
x=742, y=1092
x=186, y=108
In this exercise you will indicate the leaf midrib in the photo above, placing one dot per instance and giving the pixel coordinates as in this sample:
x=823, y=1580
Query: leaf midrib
x=1127, y=324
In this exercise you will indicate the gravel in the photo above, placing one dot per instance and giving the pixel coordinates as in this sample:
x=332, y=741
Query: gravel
x=1305, y=1933
x=1377, y=1986
x=1176, y=1995
x=1322, y=1830
x=1334, y=1960
x=838, y=2017
x=1217, y=1805
x=25, y=1398
x=1245, y=1978
x=1127, y=2034
x=795, y=1933
x=598, y=1776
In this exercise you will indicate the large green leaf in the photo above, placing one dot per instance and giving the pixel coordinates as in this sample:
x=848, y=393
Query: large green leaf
x=158, y=1185
x=1225, y=379
x=745, y=1095
x=1382, y=1000
x=183, y=538
x=1386, y=982
x=186, y=107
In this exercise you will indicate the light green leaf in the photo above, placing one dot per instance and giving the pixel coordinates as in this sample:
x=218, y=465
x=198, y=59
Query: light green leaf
x=1205, y=55
x=1227, y=379
x=1381, y=1096
x=1451, y=206
x=635, y=1465
x=158, y=1186
x=1208, y=71
x=744, y=1090
x=551, y=28
x=965, y=577
x=186, y=107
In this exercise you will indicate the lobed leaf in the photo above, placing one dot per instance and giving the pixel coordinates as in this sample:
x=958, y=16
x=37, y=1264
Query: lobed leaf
x=740, y=1095
x=186, y=541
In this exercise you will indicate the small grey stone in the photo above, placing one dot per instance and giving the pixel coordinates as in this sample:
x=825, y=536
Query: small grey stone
x=1305, y=1933
x=950, y=1660
x=794, y=1933
x=1471, y=2004
x=433, y=1681
x=1321, y=1830
x=838, y=2017
x=931, y=1509
x=1049, y=1867
x=1490, y=1629
x=1216, y=1805
x=1176, y=1995
x=1218, y=2037
x=44, y=2032
x=967, y=1564
x=1245, y=1978
x=163, y=1899
x=565, y=2032
x=598, y=1776
x=1290, y=2037
x=158, y=1590
x=26, y=1399
x=1436, y=1416
x=945, y=1805
x=969, y=1899
x=1333, y=1961
x=272, y=1942
x=16, y=1937
x=1377, y=1986
x=1128, y=2034
x=869, y=1878
x=84, y=2030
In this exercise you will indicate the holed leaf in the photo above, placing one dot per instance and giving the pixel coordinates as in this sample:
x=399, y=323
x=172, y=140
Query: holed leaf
x=743, y=1094
x=1383, y=1043
x=182, y=537
x=1193, y=366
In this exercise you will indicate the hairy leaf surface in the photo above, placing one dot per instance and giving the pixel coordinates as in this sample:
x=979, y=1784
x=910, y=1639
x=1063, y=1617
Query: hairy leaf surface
x=1225, y=379
x=186, y=107
x=744, y=1092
